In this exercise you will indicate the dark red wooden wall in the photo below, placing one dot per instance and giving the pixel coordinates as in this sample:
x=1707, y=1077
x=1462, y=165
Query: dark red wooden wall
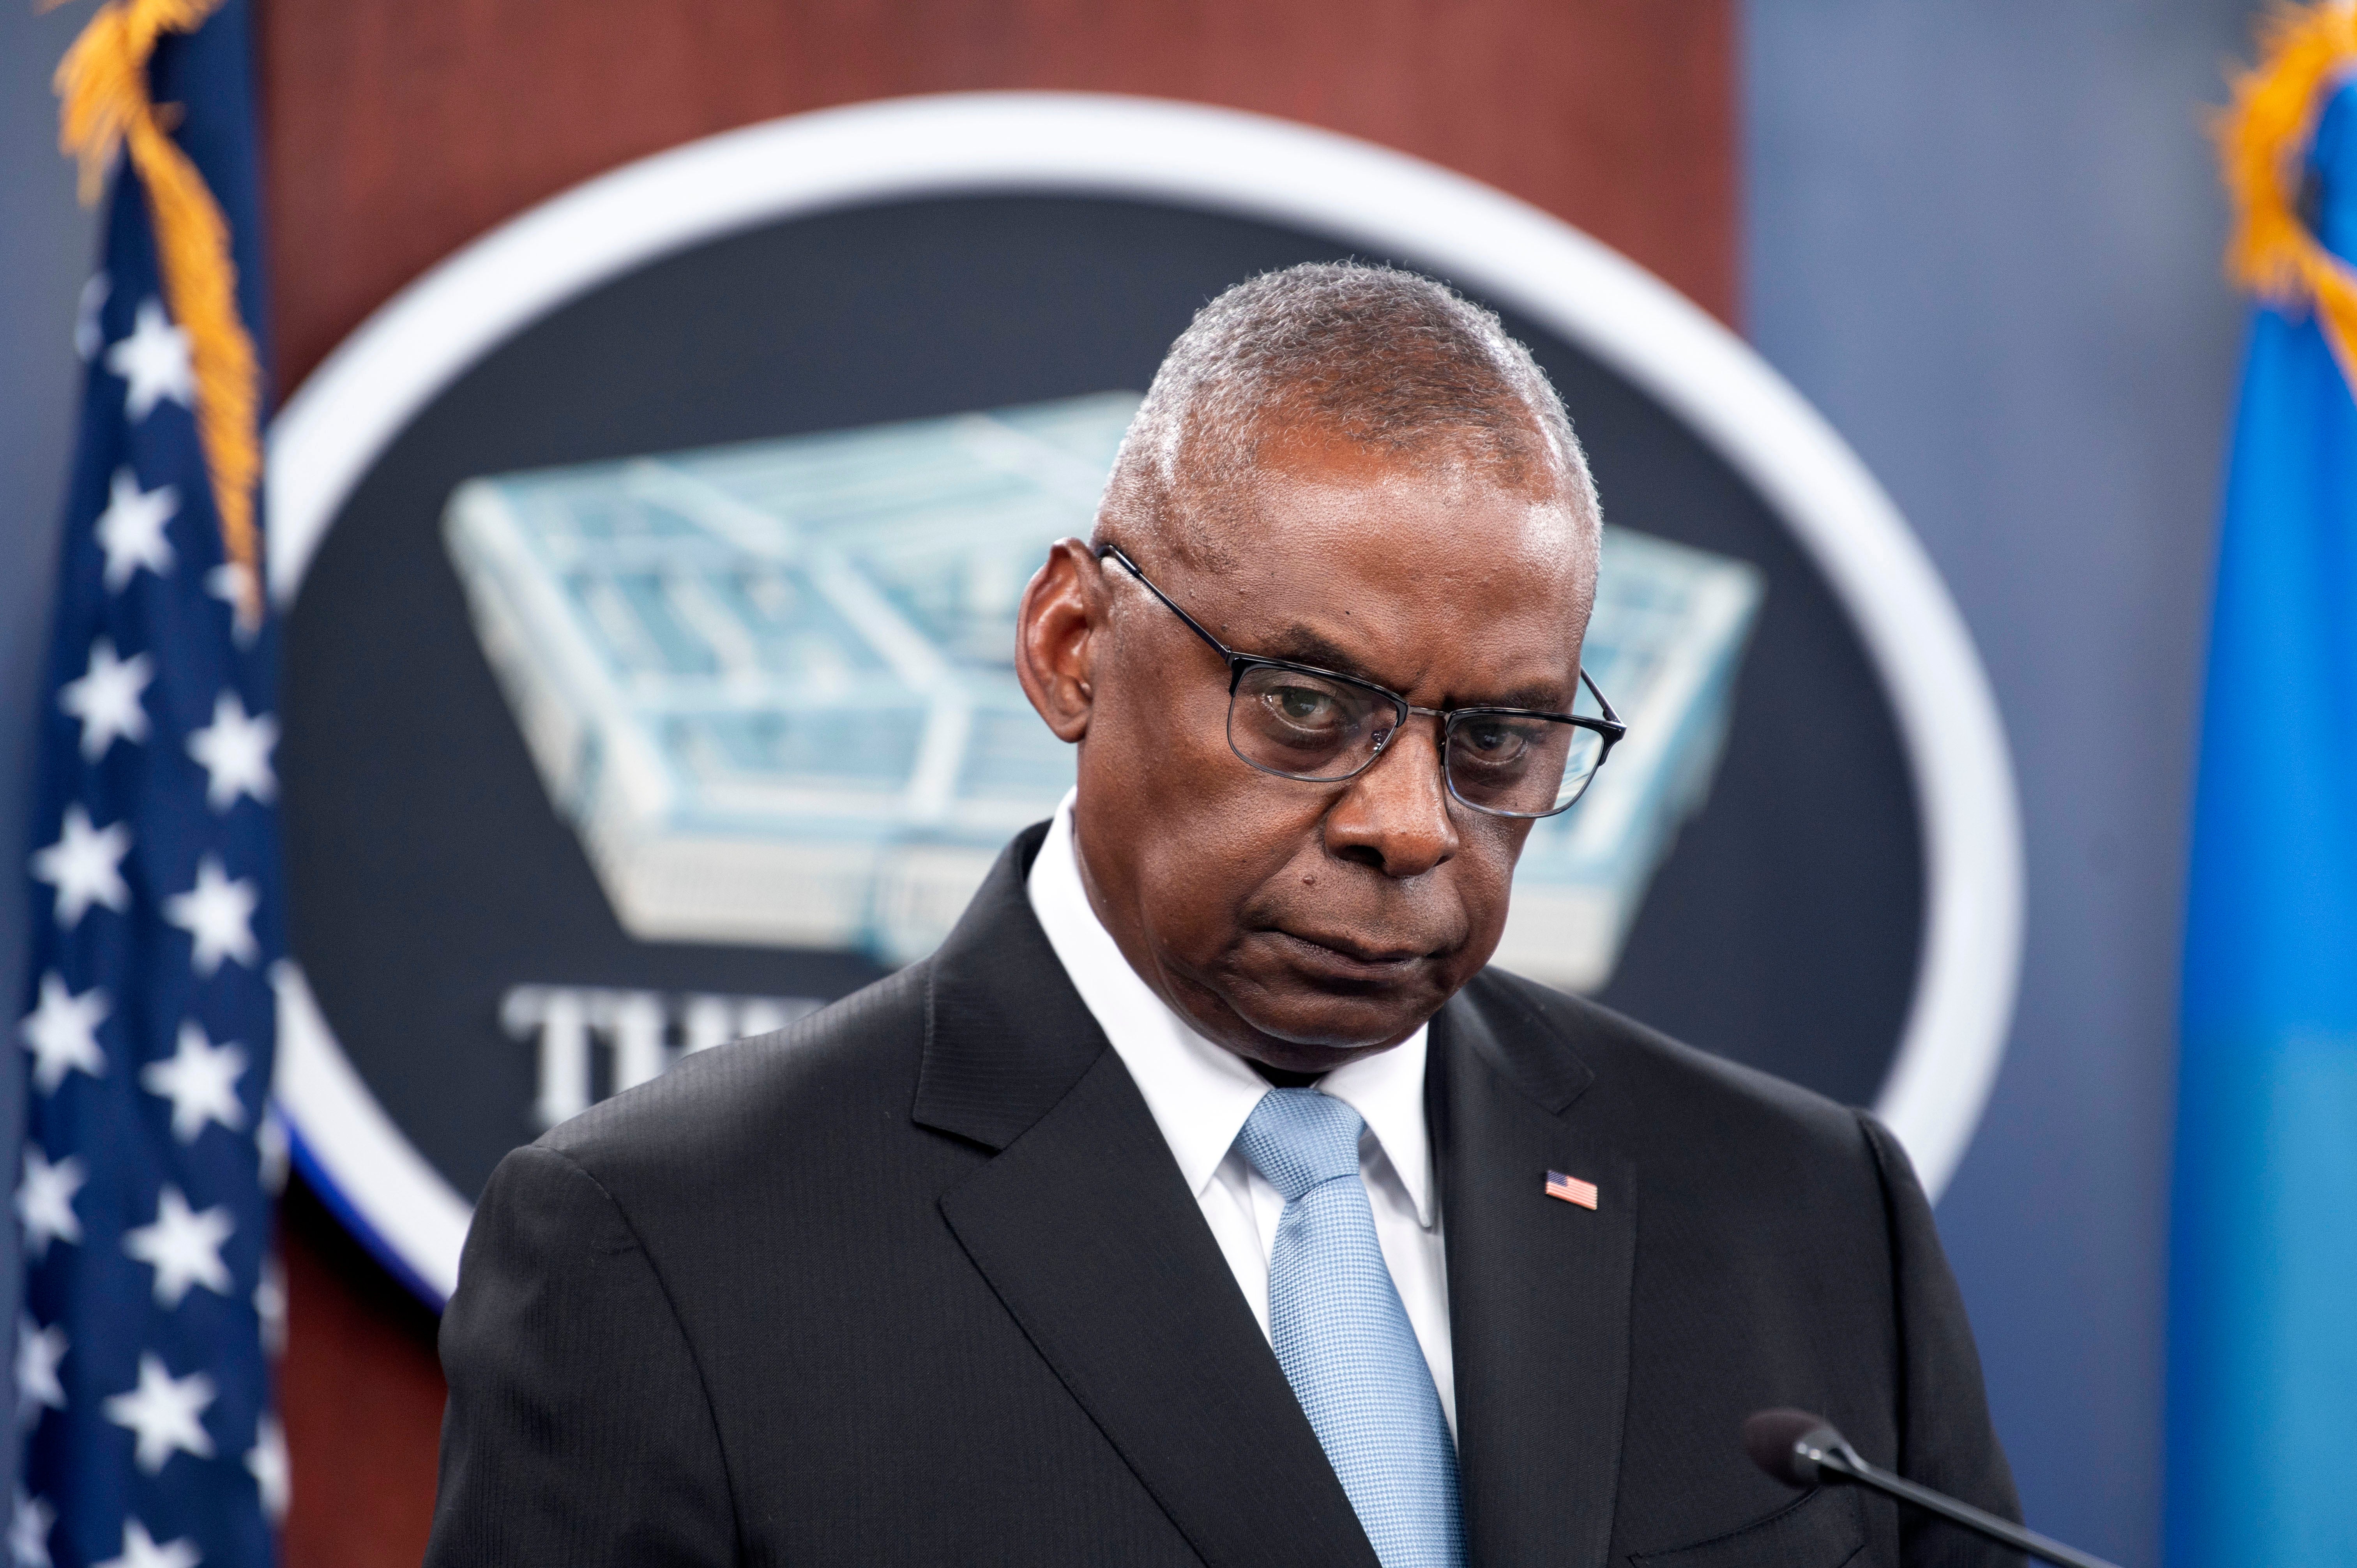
x=398, y=130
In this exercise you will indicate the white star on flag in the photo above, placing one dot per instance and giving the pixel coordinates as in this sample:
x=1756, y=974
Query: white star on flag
x=183, y=1247
x=89, y=337
x=235, y=752
x=154, y=360
x=267, y=1463
x=84, y=866
x=163, y=1410
x=106, y=698
x=140, y=1550
x=131, y=529
x=29, y=1531
x=61, y=1031
x=200, y=1080
x=45, y=1200
x=218, y=914
x=39, y=1352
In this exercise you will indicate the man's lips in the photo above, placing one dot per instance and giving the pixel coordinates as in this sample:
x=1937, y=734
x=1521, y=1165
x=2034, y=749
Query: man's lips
x=1346, y=957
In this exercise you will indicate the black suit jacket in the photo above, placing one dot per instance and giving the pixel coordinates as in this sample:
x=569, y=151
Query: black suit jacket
x=918, y=1281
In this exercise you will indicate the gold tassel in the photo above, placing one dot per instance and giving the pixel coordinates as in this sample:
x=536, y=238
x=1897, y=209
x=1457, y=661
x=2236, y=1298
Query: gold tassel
x=2263, y=141
x=102, y=86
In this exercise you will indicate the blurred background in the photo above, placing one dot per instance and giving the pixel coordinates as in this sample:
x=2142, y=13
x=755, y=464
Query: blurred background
x=1983, y=239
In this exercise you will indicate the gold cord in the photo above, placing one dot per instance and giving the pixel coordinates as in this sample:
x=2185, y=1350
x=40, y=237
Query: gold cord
x=102, y=86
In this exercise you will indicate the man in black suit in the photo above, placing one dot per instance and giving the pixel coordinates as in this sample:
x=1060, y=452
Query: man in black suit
x=1205, y=1200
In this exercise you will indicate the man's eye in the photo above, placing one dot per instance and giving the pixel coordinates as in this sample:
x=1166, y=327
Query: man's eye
x=1490, y=741
x=1304, y=706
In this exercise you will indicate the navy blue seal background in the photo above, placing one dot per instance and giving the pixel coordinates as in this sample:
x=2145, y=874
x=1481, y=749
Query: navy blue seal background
x=429, y=874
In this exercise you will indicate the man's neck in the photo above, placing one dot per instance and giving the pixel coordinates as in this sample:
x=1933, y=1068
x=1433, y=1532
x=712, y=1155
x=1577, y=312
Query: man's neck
x=1280, y=1079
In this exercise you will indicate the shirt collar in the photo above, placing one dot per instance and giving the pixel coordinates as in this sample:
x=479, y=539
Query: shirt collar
x=1387, y=1091
x=1199, y=1092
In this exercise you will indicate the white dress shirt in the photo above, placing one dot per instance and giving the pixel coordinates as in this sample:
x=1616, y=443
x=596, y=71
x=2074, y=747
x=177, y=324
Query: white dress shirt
x=1201, y=1094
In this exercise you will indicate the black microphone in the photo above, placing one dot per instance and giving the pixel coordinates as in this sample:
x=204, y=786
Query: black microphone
x=1804, y=1450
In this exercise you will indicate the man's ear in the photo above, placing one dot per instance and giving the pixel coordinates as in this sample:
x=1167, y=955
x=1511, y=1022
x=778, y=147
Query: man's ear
x=1058, y=637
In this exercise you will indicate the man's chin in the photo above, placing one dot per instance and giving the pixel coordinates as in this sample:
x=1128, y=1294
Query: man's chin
x=1305, y=1029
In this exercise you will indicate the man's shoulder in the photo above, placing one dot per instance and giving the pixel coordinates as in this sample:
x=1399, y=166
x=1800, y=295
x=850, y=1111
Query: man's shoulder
x=1655, y=1080
x=807, y=1089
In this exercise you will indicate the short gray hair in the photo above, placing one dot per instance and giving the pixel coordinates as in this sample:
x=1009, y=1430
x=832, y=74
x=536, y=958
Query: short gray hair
x=1376, y=355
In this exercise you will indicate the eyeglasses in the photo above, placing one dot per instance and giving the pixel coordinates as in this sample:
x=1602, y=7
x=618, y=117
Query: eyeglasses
x=1298, y=721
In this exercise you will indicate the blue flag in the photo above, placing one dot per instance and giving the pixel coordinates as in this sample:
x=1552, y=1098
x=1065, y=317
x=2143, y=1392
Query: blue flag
x=2263, y=1348
x=142, y=1380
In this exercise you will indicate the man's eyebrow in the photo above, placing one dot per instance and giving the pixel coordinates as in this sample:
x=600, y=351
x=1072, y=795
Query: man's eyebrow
x=1538, y=699
x=1301, y=645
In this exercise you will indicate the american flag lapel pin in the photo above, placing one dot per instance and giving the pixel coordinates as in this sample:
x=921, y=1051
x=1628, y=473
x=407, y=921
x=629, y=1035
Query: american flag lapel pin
x=1571, y=1189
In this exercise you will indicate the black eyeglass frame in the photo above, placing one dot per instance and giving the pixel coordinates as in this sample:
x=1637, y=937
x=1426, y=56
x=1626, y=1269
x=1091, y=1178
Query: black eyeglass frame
x=1609, y=728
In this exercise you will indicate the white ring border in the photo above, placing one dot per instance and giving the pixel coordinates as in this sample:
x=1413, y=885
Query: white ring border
x=386, y=372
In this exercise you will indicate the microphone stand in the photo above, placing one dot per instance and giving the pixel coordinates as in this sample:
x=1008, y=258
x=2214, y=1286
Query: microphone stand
x=1841, y=1461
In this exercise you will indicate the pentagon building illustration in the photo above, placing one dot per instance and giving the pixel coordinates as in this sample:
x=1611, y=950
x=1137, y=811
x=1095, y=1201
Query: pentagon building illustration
x=771, y=685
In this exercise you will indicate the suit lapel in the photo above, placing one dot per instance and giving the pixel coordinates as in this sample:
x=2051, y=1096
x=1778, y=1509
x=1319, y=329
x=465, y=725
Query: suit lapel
x=1538, y=1292
x=1085, y=1229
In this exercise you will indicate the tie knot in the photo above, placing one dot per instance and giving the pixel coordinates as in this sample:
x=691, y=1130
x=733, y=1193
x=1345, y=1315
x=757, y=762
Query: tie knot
x=1299, y=1138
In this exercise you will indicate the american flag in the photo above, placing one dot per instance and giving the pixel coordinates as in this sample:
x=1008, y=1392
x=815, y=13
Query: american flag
x=1571, y=1189
x=142, y=1378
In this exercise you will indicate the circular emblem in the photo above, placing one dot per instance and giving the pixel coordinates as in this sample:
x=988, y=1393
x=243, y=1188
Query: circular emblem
x=650, y=567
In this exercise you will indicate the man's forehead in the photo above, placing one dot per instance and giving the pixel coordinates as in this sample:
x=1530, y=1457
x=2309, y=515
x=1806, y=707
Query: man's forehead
x=1374, y=518
x=1318, y=450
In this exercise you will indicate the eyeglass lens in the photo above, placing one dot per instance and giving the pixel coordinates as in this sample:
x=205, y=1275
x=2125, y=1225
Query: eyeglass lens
x=1307, y=727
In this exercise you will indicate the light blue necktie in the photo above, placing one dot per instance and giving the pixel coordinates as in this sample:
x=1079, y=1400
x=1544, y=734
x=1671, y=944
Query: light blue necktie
x=1344, y=1339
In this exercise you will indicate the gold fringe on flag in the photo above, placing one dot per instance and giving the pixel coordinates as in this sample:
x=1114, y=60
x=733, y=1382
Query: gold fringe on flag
x=102, y=87
x=2262, y=140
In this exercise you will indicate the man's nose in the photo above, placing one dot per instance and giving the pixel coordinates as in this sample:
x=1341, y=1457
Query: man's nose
x=1394, y=816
